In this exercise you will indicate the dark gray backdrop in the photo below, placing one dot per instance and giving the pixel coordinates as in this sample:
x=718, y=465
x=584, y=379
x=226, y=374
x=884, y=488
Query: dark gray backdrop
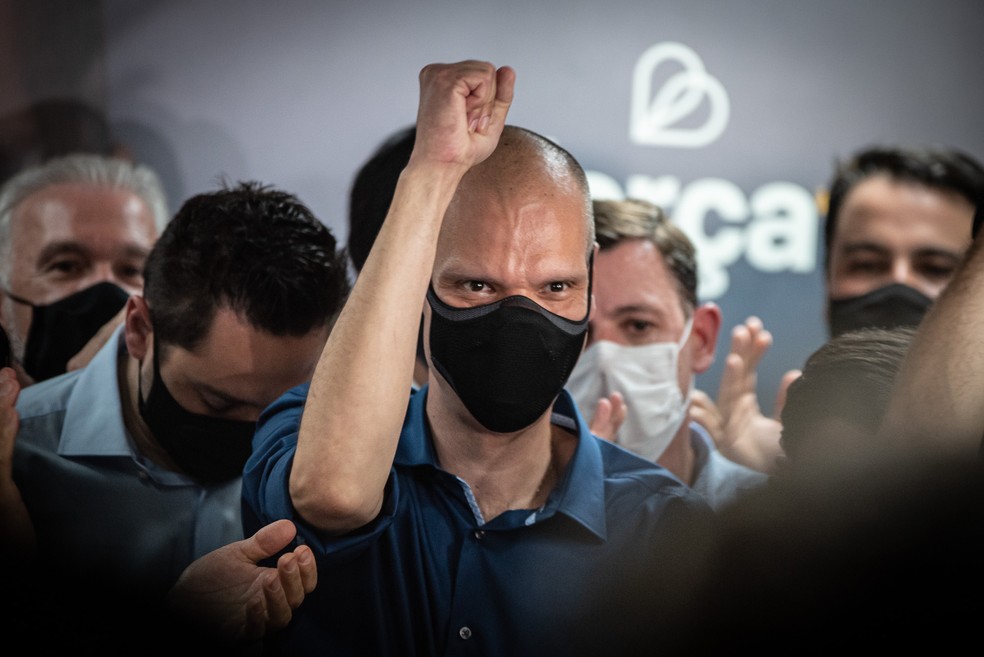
x=298, y=93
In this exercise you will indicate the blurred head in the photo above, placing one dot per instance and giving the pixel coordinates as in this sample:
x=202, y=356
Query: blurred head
x=49, y=128
x=898, y=222
x=66, y=227
x=240, y=293
x=518, y=230
x=834, y=409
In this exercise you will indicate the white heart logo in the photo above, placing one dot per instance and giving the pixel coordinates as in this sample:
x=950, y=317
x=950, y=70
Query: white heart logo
x=655, y=114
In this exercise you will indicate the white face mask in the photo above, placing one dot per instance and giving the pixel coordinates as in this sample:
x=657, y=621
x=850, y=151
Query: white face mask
x=647, y=378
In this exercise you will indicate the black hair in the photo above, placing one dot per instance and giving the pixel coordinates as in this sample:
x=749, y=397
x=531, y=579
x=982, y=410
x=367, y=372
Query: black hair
x=372, y=192
x=945, y=169
x=252, y=248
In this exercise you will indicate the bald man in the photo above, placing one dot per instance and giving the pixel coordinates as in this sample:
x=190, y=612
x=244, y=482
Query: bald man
x=475, y=518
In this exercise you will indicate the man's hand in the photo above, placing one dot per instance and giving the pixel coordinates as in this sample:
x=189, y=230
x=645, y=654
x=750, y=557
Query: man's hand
x=609, y=416
x=462, y=111
x=736, y=422
x=228, y=595
x=16, y=528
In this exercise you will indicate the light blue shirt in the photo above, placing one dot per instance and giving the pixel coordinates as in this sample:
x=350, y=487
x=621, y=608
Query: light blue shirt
x=97, y=504
x=716, y=478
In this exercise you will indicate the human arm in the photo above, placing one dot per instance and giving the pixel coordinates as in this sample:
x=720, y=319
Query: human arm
x=937, y=397
x=228, y=596
x=358, y=394
x=16, y=527
x=740, y=430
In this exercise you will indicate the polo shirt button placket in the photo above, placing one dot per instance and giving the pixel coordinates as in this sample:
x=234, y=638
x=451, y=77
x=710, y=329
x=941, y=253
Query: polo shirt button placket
x=465, y=633
x=479, y=534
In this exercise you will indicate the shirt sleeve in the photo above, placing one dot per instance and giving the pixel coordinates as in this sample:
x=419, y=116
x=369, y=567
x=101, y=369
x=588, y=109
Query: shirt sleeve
x=266, y=496
x=266, y=477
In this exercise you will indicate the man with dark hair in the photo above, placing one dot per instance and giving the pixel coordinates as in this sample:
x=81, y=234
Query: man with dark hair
x=471, y=519
x=834, y=409
x=898, y=222
x=130, y=468
x=372, y=192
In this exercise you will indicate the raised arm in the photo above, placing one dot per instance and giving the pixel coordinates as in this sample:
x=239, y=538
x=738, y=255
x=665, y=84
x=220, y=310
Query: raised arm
x=938, y=398
x=358, y=394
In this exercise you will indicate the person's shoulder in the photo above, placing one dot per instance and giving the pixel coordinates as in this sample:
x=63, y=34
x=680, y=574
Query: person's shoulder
x=47, y=397
x=291, y=401
x=624, y=469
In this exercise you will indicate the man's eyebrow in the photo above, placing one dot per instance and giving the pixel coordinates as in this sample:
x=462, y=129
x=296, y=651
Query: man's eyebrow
x=61, y=248
x=938, y=252
x=855, y=247
x=66, y=247
x=638, y=308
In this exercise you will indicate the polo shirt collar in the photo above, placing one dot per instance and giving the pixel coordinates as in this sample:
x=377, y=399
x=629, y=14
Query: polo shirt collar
x=580, y=494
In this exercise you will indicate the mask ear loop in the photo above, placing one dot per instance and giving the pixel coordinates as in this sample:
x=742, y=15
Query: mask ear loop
x=687, y=328
x=17, y=299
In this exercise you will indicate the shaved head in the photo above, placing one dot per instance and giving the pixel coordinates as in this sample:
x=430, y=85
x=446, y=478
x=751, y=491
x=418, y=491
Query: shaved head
x=526, y=160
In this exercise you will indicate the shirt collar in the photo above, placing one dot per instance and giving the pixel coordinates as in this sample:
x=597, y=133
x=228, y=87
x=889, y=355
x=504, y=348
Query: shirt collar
x=580, y=494
x=93, y=423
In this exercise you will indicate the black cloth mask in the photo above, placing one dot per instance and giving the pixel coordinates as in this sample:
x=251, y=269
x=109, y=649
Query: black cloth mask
x=59, y=330
x=211, y=450
x=507, y=360
x=887, y=307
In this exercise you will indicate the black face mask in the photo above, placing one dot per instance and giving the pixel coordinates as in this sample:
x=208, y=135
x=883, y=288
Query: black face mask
x=506, y=360
x=887, y=307
x=59, y=330
x=211, y=450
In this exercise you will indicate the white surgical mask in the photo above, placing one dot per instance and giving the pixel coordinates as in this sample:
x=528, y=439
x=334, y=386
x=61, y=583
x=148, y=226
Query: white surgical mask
x=646, y=376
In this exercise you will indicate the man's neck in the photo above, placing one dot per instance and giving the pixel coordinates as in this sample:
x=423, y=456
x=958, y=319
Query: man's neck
x=504, y=471
x=679, y=457
x=127, y=374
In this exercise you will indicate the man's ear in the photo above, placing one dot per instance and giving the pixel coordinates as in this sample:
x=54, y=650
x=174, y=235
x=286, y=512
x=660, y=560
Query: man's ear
x=704, y=336
x=139, y=331
x=591, y=273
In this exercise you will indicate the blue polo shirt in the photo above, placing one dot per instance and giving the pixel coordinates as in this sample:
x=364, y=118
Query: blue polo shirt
x=428, y=577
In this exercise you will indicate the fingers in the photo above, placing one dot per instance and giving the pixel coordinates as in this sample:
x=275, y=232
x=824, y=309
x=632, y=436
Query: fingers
x=284, y=591
x=784, y=384
x=609, y=416
x=268, y=540
x=9, y=418
x=462, y=111
x=750, y=341
x=278, y=589
x=505, y=84
x=309, y=569
x=705, y=412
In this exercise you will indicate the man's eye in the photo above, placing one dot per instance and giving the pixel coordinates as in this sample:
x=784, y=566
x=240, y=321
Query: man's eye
x=558, y=286
x=476, y=286
x=66, y=266
x=130, y=272
x=937, y=272
x=864, y=266
x=639, y=326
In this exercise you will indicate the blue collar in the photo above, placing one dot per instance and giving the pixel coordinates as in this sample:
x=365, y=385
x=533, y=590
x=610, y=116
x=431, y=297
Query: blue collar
x=580, y=493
